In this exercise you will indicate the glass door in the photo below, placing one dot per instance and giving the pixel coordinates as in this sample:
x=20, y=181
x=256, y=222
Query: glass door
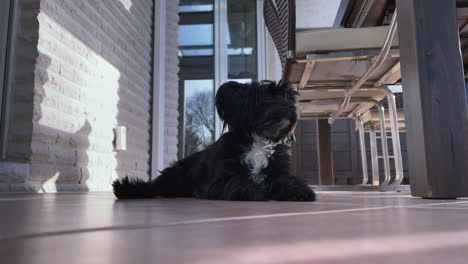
x=218, y=41
x=241, y=40
x=196, y=75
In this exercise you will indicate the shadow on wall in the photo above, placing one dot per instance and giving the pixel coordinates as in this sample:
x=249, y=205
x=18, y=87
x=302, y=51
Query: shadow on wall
x=59, y=158
x=72, y=145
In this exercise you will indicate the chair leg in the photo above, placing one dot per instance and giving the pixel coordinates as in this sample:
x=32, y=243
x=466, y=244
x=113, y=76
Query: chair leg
x=395, y=138
x=362, y=143
x=383, y=134
x=374, y=154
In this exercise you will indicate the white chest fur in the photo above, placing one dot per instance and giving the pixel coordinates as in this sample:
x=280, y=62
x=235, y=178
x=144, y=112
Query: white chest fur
x=258, y=156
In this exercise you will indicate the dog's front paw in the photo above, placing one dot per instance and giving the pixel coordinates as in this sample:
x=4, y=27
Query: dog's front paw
x=305, y=195
x=295, y=193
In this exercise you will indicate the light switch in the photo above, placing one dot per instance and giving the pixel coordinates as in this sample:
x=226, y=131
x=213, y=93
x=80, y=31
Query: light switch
x=120, y=138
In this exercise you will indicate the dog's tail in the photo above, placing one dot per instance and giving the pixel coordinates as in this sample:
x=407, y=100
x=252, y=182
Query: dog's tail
x=171, y=183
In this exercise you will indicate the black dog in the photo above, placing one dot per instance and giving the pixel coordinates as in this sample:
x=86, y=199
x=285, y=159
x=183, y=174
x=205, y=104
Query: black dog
x=249, y=162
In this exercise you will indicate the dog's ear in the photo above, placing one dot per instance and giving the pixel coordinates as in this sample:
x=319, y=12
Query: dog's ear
x=287, y=89
x=281, y=88
x=234, y=102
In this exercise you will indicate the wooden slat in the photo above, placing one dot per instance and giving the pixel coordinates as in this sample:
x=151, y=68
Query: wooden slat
x=306, y=74
x=462, y=13
x=435, y=99
x=376, y=14
x=347, y=55
x=325, y=152
x=352, y=12
x=392, y=76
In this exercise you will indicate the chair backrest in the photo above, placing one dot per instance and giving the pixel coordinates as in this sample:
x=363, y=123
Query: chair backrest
x=280, y=20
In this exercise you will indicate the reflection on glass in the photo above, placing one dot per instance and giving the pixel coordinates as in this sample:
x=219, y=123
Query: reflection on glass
x=199, y=115
x=242, y=39
x=196, y=40
x=184, y=7
x=196, y=76
x=241, y=80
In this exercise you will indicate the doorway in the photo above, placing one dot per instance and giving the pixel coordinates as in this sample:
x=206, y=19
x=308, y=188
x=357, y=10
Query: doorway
x=6, y=31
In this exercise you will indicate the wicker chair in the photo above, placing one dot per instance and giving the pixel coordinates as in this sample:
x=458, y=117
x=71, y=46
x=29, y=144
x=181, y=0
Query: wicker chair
x=280, y=21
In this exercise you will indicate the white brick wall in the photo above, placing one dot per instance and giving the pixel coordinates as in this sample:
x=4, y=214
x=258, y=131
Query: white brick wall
x=84, y=67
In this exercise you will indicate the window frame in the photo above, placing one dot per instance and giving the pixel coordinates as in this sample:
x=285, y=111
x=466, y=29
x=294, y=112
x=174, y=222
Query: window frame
x=221, y=56
x=7, y=49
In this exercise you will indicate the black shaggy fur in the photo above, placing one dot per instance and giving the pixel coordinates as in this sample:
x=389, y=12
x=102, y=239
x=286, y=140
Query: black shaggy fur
x=265, y=109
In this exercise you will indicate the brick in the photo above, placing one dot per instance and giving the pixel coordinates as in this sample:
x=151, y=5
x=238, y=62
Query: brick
x=13, y=172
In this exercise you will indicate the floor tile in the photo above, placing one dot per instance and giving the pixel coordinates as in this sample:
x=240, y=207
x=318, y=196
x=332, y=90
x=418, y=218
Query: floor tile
x=339, y=228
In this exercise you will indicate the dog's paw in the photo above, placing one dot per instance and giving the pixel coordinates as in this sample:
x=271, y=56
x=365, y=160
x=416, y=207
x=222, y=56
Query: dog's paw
x=306, y=195
x=298, y=194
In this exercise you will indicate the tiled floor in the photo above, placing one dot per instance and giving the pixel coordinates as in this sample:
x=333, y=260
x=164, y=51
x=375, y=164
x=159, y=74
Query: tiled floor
x=342, y=227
